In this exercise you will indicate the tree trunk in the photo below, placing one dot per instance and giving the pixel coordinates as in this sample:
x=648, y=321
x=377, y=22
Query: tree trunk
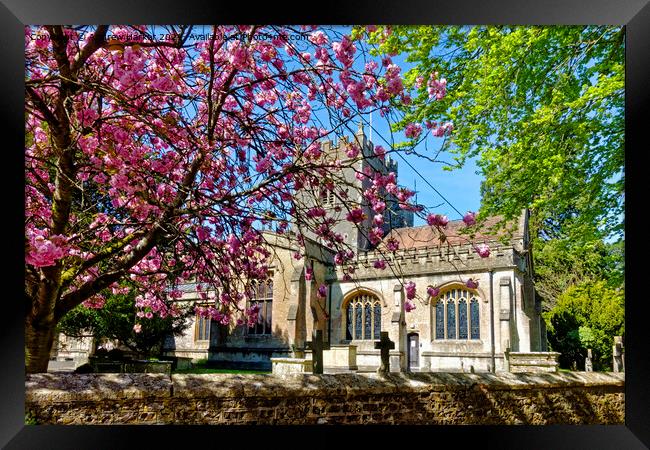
x=39, y=338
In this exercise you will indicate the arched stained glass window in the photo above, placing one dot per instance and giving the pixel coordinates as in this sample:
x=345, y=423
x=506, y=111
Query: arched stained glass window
x=440, y=320
x=377, y=314
x=452, y=320
x=358, y=328
x=367, y=319
x=474, y=319
x=462, y=319
x=350, y=324
x=363, y=317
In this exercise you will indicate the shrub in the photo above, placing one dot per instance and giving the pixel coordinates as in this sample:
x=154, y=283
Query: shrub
x=587, y=315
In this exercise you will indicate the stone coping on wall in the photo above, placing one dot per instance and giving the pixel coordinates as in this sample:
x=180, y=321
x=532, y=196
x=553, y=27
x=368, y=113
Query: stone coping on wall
x=66, y=387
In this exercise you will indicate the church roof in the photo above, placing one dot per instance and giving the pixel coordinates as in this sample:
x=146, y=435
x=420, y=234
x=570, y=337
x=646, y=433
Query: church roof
x=456, y=233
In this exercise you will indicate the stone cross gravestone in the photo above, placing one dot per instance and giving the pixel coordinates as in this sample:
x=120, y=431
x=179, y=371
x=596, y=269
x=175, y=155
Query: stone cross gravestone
x=618, y=354
x=385, y=345
x=316, y=346
x=588, y=364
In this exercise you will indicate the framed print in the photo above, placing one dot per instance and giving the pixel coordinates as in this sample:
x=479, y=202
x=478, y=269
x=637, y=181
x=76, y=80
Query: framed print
x=374, y=215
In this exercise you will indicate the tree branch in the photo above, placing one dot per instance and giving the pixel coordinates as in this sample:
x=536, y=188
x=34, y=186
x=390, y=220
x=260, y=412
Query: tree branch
x=96, y=42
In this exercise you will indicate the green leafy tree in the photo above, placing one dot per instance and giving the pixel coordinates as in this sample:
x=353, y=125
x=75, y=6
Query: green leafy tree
x=560, y=265
x=540, y=107
x=587, y=315
x=117, y=320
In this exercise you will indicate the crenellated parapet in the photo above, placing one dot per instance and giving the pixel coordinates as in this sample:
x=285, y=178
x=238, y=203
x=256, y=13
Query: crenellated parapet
x=429, y=260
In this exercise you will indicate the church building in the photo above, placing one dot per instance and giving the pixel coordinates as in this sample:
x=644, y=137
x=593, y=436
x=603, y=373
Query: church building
x=464, y=326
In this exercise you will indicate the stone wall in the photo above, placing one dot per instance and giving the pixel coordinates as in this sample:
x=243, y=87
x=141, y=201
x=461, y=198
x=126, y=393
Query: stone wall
x=419, y=398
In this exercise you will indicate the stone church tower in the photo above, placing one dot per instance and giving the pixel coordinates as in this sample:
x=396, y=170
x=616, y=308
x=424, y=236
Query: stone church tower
x=394, y=217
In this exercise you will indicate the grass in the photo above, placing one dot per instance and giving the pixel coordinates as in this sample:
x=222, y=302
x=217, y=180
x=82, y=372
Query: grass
x=211, y=370
x=200, y=367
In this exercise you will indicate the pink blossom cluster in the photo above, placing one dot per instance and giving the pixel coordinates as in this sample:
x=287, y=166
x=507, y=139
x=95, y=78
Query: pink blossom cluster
x=439, y=130
x=45, y=251
x=436, y=88
x=375, y=235
x=392, y=245
x=316, y=212
x=410, y=290
x=433, y=291
x=380, y=151
x=378, y=206
x=152, y=302
x=146, y=314
x=95, y=302
x=352, y=151
x=225, y=318
x=252, y=314
x=403, y=196
x=394, y=85
x=343, y=256
x=238, y=54
x=437, y=220
x=318, y=38
x=356, y=215
x=344, y=51
x=469, y=218
x=413, y=130
x=483, y=250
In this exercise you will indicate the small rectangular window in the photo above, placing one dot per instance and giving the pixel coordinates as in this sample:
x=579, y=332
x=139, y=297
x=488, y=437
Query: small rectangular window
x=327, y=197
x=202, y=328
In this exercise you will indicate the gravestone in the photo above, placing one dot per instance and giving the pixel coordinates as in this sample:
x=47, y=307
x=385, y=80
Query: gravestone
x=588, y=364
x=385, y=345
x=316, y=346
x=618, y=354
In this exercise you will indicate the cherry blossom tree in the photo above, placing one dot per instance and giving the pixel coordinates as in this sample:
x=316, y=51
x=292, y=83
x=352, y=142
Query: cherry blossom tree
x=160, y=158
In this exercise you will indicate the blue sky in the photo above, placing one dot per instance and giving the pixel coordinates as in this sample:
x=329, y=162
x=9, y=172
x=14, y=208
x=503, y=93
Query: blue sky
x=459, y=187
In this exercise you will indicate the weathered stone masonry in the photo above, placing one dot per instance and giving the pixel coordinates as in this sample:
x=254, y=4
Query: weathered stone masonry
x=419, y=398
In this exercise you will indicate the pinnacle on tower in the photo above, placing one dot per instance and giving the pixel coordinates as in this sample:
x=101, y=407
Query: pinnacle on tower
x=361, y=135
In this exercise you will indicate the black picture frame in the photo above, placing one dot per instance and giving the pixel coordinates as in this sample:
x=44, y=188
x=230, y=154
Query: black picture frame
x=634, y=14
